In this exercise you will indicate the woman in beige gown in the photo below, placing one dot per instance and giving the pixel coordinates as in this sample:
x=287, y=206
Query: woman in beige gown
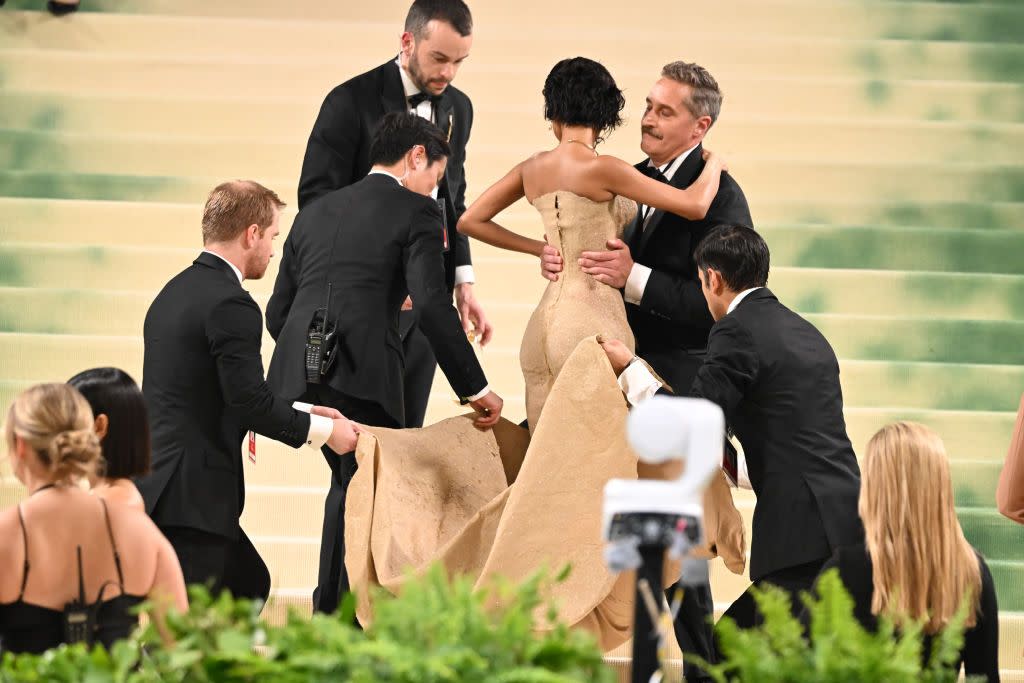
x=506, y=503
x=585, y=200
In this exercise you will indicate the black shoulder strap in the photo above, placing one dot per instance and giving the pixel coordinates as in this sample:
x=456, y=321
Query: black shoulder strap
x=113, y=544
x=81, y=579
x=24, y=538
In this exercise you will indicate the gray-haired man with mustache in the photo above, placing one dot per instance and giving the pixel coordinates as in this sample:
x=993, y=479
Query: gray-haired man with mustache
x=653, y=266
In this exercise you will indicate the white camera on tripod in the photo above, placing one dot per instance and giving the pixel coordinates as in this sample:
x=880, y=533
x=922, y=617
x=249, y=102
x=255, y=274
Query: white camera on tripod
x=670, y=514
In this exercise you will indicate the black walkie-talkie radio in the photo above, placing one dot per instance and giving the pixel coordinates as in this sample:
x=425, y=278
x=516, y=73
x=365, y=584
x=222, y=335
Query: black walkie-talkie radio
x=321, y=343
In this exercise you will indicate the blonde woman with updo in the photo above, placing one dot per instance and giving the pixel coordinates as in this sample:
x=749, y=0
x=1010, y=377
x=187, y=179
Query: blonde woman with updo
x=62, y=546
x=916, y=564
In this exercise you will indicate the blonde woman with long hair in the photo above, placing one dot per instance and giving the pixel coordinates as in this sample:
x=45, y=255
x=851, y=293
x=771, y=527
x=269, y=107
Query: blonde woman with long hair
x=61, y=544
x=915, y=564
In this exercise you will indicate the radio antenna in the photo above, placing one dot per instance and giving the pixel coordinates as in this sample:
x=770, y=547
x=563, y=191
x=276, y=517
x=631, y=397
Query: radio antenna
x=327, y=309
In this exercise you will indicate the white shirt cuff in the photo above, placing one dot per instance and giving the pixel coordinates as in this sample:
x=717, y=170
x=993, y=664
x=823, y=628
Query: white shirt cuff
x=320, y=427
x=480, y=394
x=742, y=476
x=636, y=283
x=464, y=275
x=637, y=383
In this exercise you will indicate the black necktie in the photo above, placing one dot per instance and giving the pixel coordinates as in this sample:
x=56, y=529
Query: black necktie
x=655, y=173
x=415, y=100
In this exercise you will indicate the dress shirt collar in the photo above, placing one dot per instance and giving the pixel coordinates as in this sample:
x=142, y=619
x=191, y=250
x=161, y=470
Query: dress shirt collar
x=669, y=169
x=740, y=297
x=238, y=273
x=407, y=84
x=378, y=171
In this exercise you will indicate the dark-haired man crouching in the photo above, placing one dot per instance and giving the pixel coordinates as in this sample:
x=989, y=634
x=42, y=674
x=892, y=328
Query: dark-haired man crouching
x=776, y=379
x=330, y=244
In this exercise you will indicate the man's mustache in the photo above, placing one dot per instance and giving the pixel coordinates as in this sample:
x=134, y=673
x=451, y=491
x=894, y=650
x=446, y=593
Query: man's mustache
x=647, y=130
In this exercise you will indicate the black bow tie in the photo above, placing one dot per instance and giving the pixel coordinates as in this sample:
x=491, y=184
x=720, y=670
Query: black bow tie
x=654, y=172
x=415, y=100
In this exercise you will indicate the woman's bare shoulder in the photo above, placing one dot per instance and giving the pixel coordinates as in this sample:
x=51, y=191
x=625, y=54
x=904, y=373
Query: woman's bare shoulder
x=608, y=162
x=123, y=493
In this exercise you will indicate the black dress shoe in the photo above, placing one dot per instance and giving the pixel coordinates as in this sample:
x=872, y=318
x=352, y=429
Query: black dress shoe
x=59, y=9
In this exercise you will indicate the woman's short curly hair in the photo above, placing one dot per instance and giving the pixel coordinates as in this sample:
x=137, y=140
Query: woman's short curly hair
x=581, y=92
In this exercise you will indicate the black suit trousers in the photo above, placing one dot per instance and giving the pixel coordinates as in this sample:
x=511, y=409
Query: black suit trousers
x=220, y=563
x=420, y=365
x=793, y=580
x=332, y=579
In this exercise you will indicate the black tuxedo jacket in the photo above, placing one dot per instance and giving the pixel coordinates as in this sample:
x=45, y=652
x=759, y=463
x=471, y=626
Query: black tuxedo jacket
x=338, y=152
x=204, y=388
x=370, y=278
x=777, y=380
x=672, y=321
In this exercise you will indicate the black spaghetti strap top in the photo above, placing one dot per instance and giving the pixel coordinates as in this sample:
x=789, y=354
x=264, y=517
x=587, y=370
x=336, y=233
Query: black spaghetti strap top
x=25, y=627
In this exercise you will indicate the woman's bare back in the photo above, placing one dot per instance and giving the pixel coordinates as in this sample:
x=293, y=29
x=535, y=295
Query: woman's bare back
x=567, y=168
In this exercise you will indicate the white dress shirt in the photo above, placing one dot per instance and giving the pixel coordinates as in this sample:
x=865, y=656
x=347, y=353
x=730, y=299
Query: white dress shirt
x=636, y=283
x=463, y=274
x=320, y=427
x=739, y=297
x=636, y=381
x=638, y=384
x=238, y=273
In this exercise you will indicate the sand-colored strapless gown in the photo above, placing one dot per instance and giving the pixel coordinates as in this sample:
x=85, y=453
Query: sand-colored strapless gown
x=506, y=502
x=576, y=306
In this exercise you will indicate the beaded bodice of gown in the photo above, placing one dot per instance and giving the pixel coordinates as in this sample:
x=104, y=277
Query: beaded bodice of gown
x=576, y=306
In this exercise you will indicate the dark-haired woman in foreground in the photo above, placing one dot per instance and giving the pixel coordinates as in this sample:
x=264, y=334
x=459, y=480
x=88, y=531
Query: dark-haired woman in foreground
x=122, y=426
x=585, y=200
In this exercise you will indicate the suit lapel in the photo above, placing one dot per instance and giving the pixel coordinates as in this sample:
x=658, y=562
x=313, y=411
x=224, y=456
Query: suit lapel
x=685, y=175
x=392, y=97
x=444, y=118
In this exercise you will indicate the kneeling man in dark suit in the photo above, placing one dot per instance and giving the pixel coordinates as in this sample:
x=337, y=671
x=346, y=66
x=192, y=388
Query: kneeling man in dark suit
x=371, y=244
x=776, y=379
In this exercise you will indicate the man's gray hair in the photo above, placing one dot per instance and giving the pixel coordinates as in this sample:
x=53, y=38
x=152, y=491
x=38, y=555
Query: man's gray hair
x=705, y=97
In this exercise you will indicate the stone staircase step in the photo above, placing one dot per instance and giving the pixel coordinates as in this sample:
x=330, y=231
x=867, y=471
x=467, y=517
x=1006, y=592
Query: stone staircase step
x=300, y=44
x=998, y=539
x=43, y=144
x=762, y=178
x=914, y=114
x=976, y=436
x=871, y=247
x=867, y=381
x=881, y=66
x=886, y=211
x=989, y=22
x=302, y=471
x=283, y=120
x=808, y=291
x=947, y=341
